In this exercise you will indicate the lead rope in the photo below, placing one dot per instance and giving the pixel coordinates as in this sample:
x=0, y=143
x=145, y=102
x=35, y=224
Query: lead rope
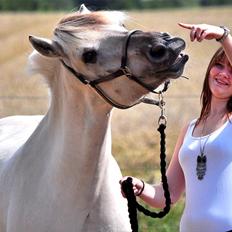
x=127, y=185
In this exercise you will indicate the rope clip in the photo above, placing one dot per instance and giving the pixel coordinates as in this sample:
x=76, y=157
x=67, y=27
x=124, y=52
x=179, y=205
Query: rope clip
x=162, y=118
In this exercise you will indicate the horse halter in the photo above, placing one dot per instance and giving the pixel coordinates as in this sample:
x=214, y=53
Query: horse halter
x=122, y=71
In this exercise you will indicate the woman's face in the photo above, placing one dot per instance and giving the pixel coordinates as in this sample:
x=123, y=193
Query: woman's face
x=220, y=79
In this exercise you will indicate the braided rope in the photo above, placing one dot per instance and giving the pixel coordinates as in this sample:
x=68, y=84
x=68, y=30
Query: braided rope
x=127, y=188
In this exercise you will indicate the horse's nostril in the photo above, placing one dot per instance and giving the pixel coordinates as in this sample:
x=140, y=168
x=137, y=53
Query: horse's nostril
x=158, y=51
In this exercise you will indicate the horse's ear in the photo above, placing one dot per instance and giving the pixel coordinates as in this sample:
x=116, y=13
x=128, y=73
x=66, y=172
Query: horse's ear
x=83, y=9
x=45, y=47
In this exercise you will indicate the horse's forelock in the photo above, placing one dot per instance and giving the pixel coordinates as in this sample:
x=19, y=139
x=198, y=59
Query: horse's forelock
x=83, y=27
x=94, y=19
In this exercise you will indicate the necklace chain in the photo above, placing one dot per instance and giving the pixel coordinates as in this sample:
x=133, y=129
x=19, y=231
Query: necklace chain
x=202, y=159
x=202, y=147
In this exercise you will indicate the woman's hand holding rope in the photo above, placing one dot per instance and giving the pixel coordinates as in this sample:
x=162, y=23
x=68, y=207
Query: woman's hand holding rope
x=138, y=185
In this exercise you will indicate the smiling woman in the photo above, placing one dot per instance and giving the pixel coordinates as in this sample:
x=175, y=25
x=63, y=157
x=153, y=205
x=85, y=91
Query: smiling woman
x=220, y=71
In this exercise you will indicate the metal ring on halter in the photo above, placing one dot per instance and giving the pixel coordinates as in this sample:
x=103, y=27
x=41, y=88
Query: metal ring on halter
x=162, y=120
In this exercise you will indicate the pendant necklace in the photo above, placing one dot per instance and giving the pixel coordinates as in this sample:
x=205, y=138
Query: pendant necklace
x=202, y=159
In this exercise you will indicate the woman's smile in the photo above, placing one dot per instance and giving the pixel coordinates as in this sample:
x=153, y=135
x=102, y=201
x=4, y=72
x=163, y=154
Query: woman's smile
x=222, y=82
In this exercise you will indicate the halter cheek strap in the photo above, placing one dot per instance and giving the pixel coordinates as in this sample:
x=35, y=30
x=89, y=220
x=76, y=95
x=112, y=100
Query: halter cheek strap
x=122, y=71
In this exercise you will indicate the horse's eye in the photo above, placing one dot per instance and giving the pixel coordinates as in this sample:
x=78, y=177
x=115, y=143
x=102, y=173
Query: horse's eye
x=90, y=56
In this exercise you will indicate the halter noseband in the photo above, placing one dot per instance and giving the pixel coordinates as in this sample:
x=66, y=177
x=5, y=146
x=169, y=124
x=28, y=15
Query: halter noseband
x=122, y=71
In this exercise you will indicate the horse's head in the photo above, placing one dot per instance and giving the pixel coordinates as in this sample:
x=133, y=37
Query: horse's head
x=99, y=50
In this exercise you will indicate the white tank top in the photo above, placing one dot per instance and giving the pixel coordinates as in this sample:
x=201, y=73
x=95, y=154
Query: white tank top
x=208, y=203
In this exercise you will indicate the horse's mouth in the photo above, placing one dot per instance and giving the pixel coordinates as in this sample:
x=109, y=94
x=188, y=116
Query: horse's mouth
x=176, y=69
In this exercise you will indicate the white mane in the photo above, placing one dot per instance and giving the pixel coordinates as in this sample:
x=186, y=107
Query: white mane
x=41, y=64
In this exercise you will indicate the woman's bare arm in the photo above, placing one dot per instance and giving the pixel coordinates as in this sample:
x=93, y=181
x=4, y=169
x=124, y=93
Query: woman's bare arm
x=153, y=194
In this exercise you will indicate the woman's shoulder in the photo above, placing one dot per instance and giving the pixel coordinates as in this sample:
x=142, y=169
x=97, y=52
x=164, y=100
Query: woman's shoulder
x=187, y=127
x=189, y=124
x=193, y=122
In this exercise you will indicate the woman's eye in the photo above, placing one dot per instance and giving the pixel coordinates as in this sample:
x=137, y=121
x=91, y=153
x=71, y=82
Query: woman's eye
x=219, y=65
x=90, y=56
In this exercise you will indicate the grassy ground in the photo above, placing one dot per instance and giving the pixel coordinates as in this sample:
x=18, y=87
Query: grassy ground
x=135, y=139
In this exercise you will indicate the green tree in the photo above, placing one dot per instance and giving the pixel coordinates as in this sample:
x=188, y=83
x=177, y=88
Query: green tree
x=110, y=4
x=55, y=4
x=92, y=4
x=18, y=5
x=27, y=5
x=169, y=3
x=215, y=2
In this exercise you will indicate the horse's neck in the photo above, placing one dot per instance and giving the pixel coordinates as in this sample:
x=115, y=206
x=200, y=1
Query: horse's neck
x=79, y=128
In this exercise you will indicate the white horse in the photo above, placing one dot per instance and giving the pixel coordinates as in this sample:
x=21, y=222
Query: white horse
x=57, y=173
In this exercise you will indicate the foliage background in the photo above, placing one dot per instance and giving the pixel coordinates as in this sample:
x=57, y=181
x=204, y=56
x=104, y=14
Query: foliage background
x=135, y=139
x=33, y=5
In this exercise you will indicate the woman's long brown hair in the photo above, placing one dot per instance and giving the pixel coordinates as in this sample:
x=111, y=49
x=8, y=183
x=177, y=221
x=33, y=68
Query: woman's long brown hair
x=206, y=94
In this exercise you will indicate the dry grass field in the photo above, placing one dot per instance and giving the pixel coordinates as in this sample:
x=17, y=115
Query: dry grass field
x=135, y=139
